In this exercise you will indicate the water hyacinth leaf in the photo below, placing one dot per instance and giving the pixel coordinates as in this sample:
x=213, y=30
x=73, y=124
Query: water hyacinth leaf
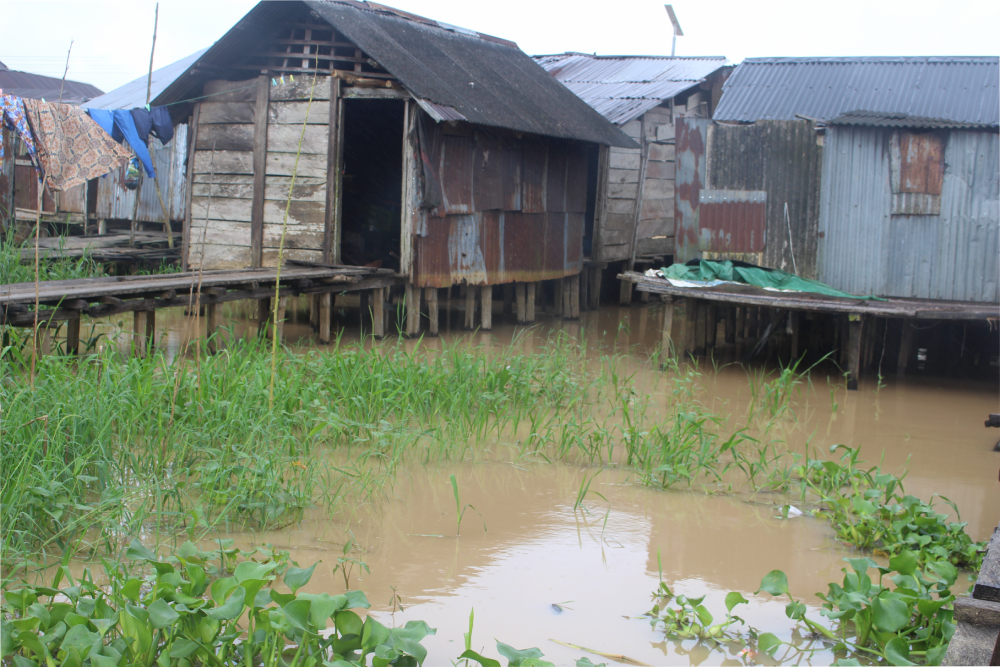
x=323, y=607
x=897, y=652
x=132, y=589
x=281, y=598
x=482, y=660
x=349, y=624
x=734, y=598
x=861, y=565
x=768, y=643
x=297, y=577
x=904, y=562
x=7, y=645
x=847, y=662
x=585, y=662
x=222, y=587
x=945, y=570
x=929, y=607
x=704, y=616
x=297, y=613
x=161, y=614
x=415, y=630
x=935, y=656
x=136, y=551
x=358, y=600
x=182, y=648
x=80, y=638
x=373, y=635
x=795, y=610
x=537, y=662
x=134, y=628
x=249, y=570
x=774, y=582
x=102, y=661
x=515, y=656
x=890, y=615
x=232, y=608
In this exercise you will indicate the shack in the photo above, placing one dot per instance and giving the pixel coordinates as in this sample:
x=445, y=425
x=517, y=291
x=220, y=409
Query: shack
x=643, y=95
x=877, y=176
x=442, y=153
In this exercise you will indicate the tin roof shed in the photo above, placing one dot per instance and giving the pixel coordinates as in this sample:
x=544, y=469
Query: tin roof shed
x=964, y=90
x=625, y=87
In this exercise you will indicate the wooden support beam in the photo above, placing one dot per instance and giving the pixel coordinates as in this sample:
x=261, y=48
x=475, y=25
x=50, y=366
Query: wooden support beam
x=519, y=289
x=325, y=308
x=711, y=325
x=259, y=169
x=854, y=351
x=667, y=342
x=905, y=348
x=212, y=311
x=730, y=325
x=378, y=312
x=334, y=157
x=143, y=330
x=795, y=329
x=584, y=288
x=753, y=317
x=508, y=300
x=412, y=309
x=595, y=287
x=73, y=336
x=644, y=297
x=470, y=307
x=574, y=297
x=567, y=297
x=279, y=325
x=263, y=317
x=431, y=295
x=529, y=307
x=625, y=297
x=700, y=323
x=690, y=315
x=486, y=304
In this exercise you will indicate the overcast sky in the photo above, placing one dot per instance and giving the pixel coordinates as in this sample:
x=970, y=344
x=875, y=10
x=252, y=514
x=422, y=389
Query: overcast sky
x=112, y=39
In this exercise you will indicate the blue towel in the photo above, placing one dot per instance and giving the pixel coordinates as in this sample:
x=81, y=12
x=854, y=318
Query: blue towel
x=120, y=125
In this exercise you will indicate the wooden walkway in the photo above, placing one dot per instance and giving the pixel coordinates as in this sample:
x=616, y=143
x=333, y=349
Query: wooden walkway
x=151, y=248
x=751, y=314
x=66, y=300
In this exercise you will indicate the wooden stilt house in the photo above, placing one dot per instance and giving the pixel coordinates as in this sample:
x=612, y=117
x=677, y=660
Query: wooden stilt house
x=445, y=154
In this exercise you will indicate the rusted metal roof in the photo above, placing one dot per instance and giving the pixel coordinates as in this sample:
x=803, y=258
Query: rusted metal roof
x=37, y=87
x=621, y=88
x=487, y=80
x=949, y=89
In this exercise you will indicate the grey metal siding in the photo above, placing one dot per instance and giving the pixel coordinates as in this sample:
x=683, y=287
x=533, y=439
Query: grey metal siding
x=865, y=250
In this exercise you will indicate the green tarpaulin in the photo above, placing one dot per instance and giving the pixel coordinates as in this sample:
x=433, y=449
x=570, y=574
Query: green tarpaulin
x=706, y=270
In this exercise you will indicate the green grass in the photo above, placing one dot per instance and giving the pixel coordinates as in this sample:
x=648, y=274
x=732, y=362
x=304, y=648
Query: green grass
x=12, y=270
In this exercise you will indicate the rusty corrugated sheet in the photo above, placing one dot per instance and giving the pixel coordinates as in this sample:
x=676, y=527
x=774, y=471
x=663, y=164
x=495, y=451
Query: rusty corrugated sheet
x=691, y=135
x=115, y=201
x=732, y=220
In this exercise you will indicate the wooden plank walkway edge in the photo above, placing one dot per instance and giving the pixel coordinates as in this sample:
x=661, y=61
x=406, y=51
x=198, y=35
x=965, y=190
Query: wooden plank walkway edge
x=754, y=296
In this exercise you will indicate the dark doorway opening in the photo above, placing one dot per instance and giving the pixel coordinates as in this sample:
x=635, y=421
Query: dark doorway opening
x=593, y=156
x=372, y=183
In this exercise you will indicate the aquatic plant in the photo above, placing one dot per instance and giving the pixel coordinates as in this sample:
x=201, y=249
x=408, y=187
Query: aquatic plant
x=460, y=509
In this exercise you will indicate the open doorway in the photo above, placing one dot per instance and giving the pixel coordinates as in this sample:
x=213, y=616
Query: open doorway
x=372, y=183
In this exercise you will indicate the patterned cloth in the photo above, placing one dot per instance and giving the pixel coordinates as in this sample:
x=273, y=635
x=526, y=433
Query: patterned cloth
x=12, y=111
x=71, y=146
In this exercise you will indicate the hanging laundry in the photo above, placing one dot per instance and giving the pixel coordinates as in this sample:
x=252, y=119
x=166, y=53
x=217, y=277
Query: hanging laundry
x=156, y=120
x=71, y=147
x=12, y=112
x=120, y=125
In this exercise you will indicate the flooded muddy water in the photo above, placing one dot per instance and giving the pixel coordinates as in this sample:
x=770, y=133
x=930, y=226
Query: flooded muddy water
x=598, y=564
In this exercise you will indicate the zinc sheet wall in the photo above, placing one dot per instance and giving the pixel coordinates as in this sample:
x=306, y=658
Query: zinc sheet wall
x=864, y=249
x=115, y=201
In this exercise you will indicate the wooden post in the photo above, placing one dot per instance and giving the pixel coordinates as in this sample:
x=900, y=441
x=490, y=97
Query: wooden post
x=854, y=351
x=279, y=326
x=644, y=297
x=519, y=289
x=753, y=316
x=730, y=325
x=259, y=168
x=263, y=317
x=486, y=306
x=700, y=317
x=711, y=325
x=574, y=297
x=625, y=297
x=690, y=315
x=667, y=343
x=595, y=287
x=144, y=327
x=378, y=312
x=212, y=326
x=844, y=340
x=529, y=308
x=186, y=240
x=334, y=152
x=905, y=348
x=73, y=336
x=470, y=307
x=412, y=309
x=567, y=297
x=584, y=288
x=795, y=326
x=508, y=300
x=431, y=295
x=325, y=303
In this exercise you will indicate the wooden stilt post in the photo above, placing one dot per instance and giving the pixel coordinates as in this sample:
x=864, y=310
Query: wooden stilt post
x=854, y=351
x=644, y=297
x=431, y=295
x=470, y=308
x=700, y=317
x=378, y=312
x=595, y=287
x=73, y=336
x=690, y=315
x=314, y=314
x=711, y=325
x=844, y=339
x=412, y=310
x=263, y=317
x=144, y=327
x=667, y=343
x=557, y=297
x=625, y=297
x=529, y=307
x=795, y=326
x=584, y=286
x=508, y=300
x=521, y=303
x=753, y=315
x=486, y=306
x=567, y=300
x=730, y=325
x=323, y=314
x=212, y=326
x=279, y=325
x=905, y=348
x=574, y=297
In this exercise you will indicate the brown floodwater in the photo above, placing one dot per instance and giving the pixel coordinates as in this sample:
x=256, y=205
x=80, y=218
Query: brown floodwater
x=600, y=563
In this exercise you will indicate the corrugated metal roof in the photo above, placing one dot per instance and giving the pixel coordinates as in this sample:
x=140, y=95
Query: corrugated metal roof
x=876, y=119
x=958, y=89
x=624, y=87
x=487, y=80
x=37, y=87
x=133, y=93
